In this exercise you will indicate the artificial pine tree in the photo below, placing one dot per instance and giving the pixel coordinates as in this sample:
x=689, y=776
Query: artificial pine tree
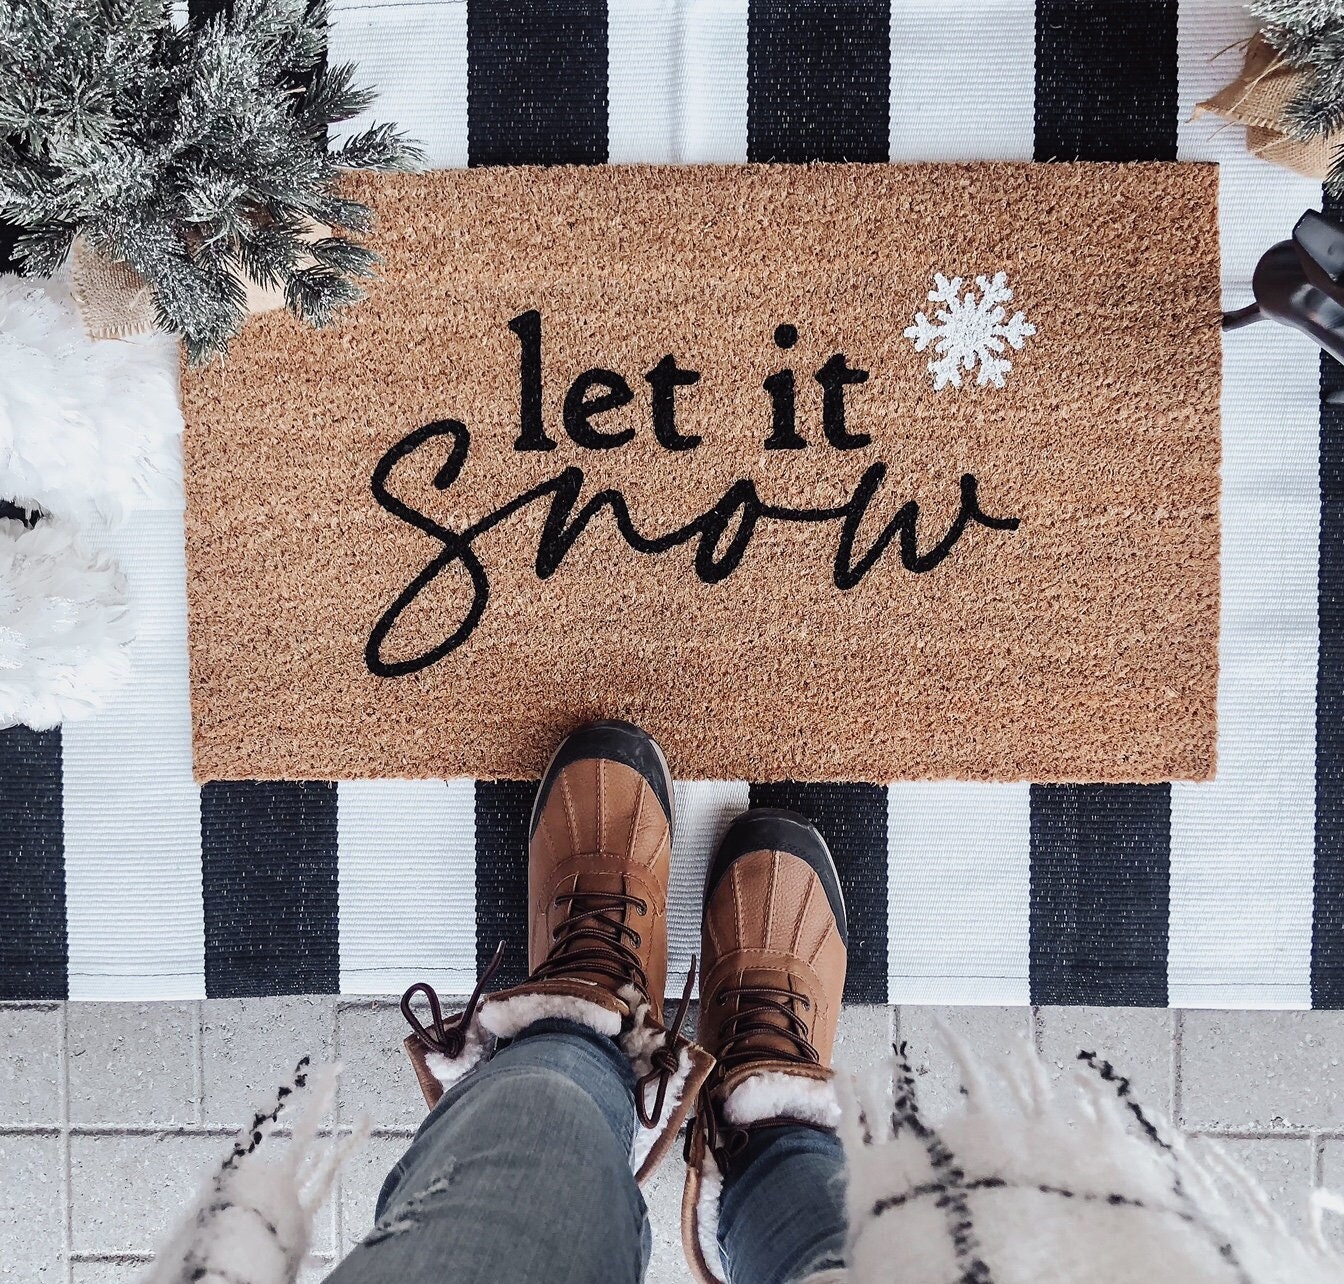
x=196, y=154
x=1309, y=35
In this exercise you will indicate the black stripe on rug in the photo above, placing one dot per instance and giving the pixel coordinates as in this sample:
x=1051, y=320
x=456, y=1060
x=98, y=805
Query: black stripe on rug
x=536, y=82
x=269, y=876
x=1106, y=85
x=819, y=88
x=503, y=808
x=819, y=80
x=1106, y=80
x=33, y=955
x=852, y=819
x=1100, y=890
x=1327, y=927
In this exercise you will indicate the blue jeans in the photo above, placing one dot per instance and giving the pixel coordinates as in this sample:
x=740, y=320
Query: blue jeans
x=521, y=1175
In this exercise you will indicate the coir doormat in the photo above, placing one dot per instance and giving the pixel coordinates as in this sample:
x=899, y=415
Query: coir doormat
x=817, y=472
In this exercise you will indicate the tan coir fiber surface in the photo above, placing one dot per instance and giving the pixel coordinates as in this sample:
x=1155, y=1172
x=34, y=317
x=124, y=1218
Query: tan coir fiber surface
x=1080, y=646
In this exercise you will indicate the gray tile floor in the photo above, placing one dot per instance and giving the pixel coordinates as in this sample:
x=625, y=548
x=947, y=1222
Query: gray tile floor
x=110, y=1113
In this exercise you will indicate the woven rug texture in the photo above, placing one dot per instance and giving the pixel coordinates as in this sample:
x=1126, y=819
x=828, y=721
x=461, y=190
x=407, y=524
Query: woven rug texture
x=435, y=537
x=124, y=879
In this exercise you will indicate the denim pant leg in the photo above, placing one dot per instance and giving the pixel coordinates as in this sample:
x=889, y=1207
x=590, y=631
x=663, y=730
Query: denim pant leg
x=782, y=1212
x=520, y=1173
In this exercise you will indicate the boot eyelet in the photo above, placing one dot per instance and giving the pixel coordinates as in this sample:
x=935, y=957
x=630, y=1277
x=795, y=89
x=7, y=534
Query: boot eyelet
x=642, y=906
x=639, y=940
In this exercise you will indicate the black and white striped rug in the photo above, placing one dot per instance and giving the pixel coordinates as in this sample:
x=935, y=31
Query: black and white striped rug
x=119, y=878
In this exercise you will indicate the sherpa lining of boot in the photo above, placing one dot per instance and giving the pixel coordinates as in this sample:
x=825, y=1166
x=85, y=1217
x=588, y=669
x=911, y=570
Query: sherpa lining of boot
x=639, y=1043
x=707, y=1215
x=450, y=1071
x=510, y=1016
x=776, y=1094
x=647, y=1138
x=504, y=1018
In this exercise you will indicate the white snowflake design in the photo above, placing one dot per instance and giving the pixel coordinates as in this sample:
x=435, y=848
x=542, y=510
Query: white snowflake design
x=967, y=330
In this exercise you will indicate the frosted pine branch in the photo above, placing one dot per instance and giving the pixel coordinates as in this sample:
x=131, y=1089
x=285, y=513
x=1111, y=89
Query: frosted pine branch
x=194, y=154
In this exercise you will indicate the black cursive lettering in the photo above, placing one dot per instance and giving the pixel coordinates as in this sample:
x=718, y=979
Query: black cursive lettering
x=722, y=534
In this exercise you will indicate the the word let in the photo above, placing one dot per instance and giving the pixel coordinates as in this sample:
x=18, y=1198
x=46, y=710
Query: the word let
x=598, y=391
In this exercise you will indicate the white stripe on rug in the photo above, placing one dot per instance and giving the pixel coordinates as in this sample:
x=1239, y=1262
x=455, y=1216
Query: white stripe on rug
x=135, y=922
x=677, y=81
x=407, y=851
x=704, y=809
x=415, y=56
x=959, y=928
x=1242, y=846
x=963, y=79
x=407, y=848
x=959, y=887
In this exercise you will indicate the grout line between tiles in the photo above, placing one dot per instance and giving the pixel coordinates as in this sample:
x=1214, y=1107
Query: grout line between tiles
x=338, y=1214
x=1254, y=1134
x=113, y=1259
x=1177, y=1075
x=336, y=1051
x=67, y=1164
x=338, y=1186
x=199, y=1067
x=185, y=1130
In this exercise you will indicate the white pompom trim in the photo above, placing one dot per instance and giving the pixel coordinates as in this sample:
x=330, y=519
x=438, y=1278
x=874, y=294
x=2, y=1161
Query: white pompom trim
x=88, y=428
x=64, y=626
x=253, y=1220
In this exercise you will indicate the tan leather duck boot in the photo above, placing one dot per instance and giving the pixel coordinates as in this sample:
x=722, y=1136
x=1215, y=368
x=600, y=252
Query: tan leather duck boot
x=600, y=852
x=773, y=960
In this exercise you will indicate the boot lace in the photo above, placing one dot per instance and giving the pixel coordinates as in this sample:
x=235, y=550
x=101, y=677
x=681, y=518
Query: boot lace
x=447, y=1035
x=756, y=1004
x=762, y=1011
x=593, y=937
x=664, y=1060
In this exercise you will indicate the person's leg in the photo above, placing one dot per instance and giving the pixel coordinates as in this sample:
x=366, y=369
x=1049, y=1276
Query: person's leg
x=782, y=1210
x=521, y=1172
